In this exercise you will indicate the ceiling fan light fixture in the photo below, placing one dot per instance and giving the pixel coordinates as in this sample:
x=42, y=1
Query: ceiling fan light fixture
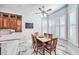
x=43, y=12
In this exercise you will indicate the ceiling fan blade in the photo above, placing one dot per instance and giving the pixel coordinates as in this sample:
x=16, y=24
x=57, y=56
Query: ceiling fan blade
x=40, y=9
x=49, y=10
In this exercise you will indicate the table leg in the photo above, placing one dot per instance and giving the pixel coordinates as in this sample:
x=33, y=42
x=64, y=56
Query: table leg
x=43, y=51
x=44, y=48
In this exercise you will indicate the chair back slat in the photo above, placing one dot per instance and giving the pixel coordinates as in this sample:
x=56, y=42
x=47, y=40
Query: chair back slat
x=36, y=34
x=54, y=43
x=50, y=36
x=45, y=34
x=34, y=39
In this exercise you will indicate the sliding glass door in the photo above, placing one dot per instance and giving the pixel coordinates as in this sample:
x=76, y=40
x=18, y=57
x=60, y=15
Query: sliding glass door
x=57, y=24
x=63, y=27
x=63, y=24
x=73, y=26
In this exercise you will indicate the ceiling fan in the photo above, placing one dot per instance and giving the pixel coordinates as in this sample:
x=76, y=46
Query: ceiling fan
x=43, y=11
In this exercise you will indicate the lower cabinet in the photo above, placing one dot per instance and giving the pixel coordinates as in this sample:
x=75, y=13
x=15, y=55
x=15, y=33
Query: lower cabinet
x=9, y=47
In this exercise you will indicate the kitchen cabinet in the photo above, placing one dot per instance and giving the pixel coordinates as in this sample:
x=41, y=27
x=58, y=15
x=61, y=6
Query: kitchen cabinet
x=5, y=19
x=1, y=21
x=18, y=24
x=10, y=21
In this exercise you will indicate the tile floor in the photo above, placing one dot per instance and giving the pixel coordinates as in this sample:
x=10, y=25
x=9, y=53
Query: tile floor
x=63, y=48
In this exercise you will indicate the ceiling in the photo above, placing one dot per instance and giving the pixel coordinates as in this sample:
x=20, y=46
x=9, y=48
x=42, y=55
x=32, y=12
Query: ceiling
x=32, y=7
x=28, y=10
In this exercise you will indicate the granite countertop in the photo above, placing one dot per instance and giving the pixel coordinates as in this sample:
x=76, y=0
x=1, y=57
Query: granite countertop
x=9, y=37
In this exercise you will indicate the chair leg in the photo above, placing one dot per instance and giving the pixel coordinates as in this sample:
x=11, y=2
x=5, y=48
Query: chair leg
x=55, y=52
x=37, y=50
x=43, y=51
x=34, y=48
x=50, y=53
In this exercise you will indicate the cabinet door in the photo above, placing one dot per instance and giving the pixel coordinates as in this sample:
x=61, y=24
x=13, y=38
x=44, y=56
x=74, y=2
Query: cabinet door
x=1, y=22
x=5, y=20
x=12, y=23
x=18, y=26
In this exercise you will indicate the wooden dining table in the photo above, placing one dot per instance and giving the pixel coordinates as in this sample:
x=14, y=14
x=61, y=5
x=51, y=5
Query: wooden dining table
x=44, y=40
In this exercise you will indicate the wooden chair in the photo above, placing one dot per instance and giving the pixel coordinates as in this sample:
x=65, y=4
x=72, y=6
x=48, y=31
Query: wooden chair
x=36, y=44
x=50, y=36
x=52, y=46
x=36, y=34
x=34, y=41
x=45, y=34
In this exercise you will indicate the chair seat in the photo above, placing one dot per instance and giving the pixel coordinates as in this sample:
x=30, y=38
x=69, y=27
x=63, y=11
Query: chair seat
x=39, y=44
x=48, y=46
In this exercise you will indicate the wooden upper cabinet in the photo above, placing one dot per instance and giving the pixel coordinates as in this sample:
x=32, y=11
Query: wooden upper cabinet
x=1, y=21
x=11, y=21
x=18, y=24
x=5, y=20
